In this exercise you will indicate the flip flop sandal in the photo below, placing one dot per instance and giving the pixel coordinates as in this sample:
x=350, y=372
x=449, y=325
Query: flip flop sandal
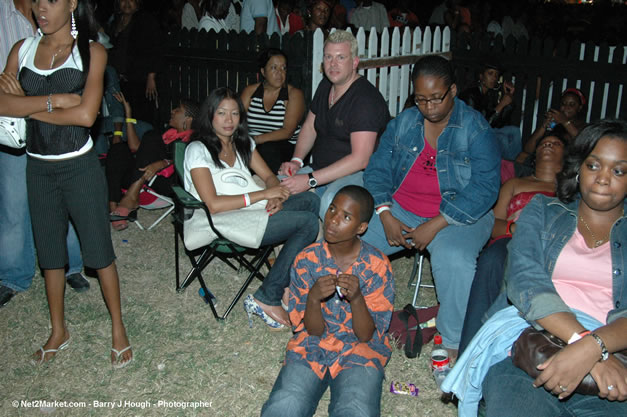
x=120, y=225
x=118, y=355
x=122, y=213
x=44, y=352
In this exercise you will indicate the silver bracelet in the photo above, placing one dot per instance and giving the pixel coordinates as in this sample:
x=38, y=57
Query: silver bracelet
x=49, y=103
x=605, y=355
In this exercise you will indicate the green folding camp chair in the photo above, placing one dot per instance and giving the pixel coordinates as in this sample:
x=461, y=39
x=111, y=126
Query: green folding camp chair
x=221, y=248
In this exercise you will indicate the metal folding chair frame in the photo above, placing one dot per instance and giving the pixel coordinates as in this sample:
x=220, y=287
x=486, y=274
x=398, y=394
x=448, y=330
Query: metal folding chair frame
x=416, y=274
x=168, y=209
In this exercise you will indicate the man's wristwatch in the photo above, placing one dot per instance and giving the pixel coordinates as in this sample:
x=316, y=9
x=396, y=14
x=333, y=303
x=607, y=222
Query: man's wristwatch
x=313, y=183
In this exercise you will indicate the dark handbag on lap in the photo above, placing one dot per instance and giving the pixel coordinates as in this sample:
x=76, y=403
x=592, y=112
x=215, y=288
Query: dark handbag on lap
x=533, y=347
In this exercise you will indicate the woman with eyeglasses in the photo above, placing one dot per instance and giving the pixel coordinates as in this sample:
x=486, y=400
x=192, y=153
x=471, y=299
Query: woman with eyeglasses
x=434, y=179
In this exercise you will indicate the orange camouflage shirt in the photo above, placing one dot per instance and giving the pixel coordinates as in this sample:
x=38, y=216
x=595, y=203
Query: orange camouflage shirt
x=338, y=348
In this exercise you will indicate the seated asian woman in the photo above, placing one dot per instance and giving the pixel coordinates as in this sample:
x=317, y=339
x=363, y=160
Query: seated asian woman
x=221, y=141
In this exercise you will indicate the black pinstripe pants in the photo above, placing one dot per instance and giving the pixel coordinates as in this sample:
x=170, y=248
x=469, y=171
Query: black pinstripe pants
x=74, y=188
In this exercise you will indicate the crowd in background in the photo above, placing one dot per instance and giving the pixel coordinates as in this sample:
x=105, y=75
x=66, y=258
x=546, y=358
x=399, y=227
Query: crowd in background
x=597, y=22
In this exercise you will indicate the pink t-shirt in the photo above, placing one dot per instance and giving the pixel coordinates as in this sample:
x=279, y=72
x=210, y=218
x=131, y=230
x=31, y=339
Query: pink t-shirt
x=419, y=192
x=583, y=277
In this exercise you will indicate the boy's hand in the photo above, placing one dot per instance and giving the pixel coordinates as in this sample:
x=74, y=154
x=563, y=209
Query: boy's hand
x=322, y=289
x=350, y=286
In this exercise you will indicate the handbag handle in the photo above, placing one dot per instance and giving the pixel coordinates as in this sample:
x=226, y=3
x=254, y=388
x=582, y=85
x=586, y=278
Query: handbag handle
x=416, y=346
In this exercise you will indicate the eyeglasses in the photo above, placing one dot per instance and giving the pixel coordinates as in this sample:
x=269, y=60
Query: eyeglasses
x=438, y=100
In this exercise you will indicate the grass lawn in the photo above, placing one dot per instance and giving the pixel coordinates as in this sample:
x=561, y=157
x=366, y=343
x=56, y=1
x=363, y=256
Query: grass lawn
x=182, y=355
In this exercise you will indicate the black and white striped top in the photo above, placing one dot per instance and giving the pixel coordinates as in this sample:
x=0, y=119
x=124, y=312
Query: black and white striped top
x=260, y=121
x=47, y=140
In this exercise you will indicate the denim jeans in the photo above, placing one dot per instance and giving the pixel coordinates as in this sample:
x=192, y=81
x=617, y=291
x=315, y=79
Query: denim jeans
x=454, y=252
x=327, y=192
x=486, y=287
x=510, y=141
x=296, y=225
x=17, y=246
x=297, y=391
x=508, y=391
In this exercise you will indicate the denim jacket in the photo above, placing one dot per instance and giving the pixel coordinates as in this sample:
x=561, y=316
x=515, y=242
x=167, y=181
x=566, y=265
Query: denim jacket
x=467, y=162
x=545, y=226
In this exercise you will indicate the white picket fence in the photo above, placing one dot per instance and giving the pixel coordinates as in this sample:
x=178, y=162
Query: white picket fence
x=391, y=76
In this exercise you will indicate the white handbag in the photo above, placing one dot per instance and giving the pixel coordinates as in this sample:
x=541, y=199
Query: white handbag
x=245, y=226
x=13, y=132
x=13, y=129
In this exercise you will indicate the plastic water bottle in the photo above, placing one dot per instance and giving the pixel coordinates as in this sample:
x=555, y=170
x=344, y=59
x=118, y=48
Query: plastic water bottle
x=439, y=361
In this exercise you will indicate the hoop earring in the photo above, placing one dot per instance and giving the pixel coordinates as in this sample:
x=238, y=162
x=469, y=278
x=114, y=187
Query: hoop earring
x=39, y=32
x=185, y=125
x=577, y=178
x=74, y=31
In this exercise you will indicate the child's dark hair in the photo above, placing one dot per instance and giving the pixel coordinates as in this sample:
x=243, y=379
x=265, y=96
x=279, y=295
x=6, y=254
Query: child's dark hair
x=435, y=66
x=204, y=132
x=87, y=30
x=362, y=197
x=582, y=146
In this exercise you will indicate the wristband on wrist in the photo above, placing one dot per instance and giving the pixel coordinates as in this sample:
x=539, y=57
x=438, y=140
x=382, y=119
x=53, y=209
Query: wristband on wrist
x=509, y=225
x=300, y=161
x=118, y=133
x=131, y=120
x=381, y=209
x=49, y=103
x=246, y=200
x=578, y=336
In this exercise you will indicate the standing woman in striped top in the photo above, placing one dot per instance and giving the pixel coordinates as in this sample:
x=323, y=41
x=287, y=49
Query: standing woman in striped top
x=274, y=110
x=60, y=89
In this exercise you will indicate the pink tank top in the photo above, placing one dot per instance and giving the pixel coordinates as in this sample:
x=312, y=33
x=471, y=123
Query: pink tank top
x=419, y=192
x=583, y=277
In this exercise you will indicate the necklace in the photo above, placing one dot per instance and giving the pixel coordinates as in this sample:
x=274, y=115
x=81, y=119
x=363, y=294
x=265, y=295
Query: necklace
x=226, y=150
x=54, y=56
x=597, y=243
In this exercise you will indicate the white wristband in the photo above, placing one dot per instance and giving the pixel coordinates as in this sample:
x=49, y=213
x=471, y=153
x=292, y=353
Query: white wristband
x=381, y=209
x=300, y=161
x=575, y=337
x=246, y=200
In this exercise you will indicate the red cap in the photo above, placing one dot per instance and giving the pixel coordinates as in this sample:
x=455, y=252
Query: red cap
x=437, y=340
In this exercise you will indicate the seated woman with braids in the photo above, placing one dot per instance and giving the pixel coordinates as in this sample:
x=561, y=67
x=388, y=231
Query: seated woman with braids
x=133, y=163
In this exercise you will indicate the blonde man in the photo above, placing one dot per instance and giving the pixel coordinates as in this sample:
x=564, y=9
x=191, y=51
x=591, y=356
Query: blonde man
x=346, y=116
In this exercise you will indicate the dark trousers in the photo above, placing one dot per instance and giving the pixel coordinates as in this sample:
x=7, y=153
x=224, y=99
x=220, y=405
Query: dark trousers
x=135, y=93
x=275, y=153
x=122, y=167
x=485, y=289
